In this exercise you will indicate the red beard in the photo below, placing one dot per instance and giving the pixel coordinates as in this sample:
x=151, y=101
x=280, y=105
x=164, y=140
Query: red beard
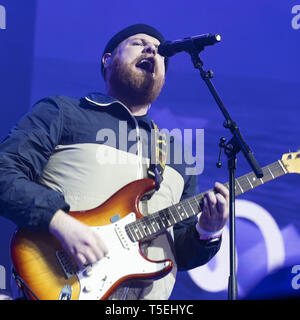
x=134, y=86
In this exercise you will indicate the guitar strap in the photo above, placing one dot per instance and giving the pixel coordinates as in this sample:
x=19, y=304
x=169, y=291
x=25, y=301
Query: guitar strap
x=158, y=157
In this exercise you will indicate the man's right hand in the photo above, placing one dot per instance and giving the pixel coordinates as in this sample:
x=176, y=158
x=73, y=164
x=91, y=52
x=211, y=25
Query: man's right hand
x=79, y=240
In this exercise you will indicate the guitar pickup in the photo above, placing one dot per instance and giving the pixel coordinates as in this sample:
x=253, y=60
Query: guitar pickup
x=122, y=236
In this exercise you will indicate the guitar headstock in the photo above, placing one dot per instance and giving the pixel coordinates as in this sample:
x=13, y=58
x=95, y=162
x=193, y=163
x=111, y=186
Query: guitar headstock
x=291, y=162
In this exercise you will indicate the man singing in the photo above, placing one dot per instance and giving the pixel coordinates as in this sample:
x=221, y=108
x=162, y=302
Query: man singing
x=50, y=164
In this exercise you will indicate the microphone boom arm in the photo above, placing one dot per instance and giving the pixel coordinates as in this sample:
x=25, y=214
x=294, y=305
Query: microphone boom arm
x=240, y=143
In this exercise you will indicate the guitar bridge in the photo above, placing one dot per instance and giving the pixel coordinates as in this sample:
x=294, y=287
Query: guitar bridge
x=65, y=263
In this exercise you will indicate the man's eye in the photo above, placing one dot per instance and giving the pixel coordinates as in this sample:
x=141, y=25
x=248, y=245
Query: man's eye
x=137, y=43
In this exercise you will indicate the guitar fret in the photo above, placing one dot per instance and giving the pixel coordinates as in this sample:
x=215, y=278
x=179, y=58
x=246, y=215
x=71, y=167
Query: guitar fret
x=148, y=220
x=179, y=207
x=271, y=173
x=267, y=174
x=158, y=221
x=280, y=169
x=237, y=183
x=185, y=210
x=178, y=214
x=141, y=226
x=175, y=221
x=195, y=203
x=142, y=229
x=255, y=182
x=128, y=228
x=249, y=182
x=277, y=169
x=199, y=203
x=147, y=230
x=155, y=219
x=161, y=223
x=154, y=223
x=163, y=219
x=133, y=232
x=191, y=207
x=245, y=183
x=137, y=229
x=281, y=165
x=167, y=215
x=146, y=224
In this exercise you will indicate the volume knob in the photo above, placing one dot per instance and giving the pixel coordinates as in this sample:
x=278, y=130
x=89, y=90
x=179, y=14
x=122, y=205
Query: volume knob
x=88, y=288
x=88, y=271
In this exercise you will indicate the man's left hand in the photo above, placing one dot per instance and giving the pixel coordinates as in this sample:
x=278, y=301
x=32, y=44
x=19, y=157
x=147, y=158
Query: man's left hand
x=215, y=210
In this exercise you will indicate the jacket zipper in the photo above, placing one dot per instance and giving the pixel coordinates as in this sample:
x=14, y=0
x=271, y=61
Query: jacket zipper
x=139, y=151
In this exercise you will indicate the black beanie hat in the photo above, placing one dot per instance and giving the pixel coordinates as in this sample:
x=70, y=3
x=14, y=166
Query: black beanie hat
x=128, y=32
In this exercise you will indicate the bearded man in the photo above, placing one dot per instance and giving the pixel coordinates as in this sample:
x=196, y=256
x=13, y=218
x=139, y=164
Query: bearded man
x=49, y=166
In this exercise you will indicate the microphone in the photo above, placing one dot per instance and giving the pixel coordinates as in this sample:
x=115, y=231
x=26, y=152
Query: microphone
x=169, y=48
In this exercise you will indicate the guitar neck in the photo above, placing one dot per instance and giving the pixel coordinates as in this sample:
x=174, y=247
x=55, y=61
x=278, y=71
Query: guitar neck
x=159, y=221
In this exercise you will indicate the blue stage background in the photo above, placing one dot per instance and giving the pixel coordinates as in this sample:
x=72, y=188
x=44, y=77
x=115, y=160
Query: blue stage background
x=54, y=47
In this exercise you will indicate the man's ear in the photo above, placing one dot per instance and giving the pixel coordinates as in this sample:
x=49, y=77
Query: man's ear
x=106, y=59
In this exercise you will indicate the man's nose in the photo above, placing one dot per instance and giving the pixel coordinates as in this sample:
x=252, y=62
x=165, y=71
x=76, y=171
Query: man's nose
x=151, y=48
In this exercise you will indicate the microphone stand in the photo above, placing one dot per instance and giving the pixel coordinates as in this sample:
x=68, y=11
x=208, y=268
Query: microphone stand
x=232, y=148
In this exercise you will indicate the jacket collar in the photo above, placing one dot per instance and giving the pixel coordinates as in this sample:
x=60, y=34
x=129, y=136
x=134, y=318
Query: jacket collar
x=101, y=99
x=104, y=100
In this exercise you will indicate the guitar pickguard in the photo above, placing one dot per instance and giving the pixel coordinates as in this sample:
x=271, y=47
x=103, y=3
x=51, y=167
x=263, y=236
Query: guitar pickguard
x=123, y=261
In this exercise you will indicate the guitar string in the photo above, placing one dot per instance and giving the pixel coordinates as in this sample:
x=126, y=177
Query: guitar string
x=144, y=222
x=271, y=172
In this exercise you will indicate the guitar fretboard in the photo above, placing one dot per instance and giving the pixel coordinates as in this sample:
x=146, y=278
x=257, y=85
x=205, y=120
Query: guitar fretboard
x=161, y=220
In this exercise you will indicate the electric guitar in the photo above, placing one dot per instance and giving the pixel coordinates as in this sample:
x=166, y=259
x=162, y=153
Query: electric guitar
x=47, y=273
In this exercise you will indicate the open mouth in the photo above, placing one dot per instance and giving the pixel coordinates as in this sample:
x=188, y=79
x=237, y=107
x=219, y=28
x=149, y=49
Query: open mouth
x=146, y=64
